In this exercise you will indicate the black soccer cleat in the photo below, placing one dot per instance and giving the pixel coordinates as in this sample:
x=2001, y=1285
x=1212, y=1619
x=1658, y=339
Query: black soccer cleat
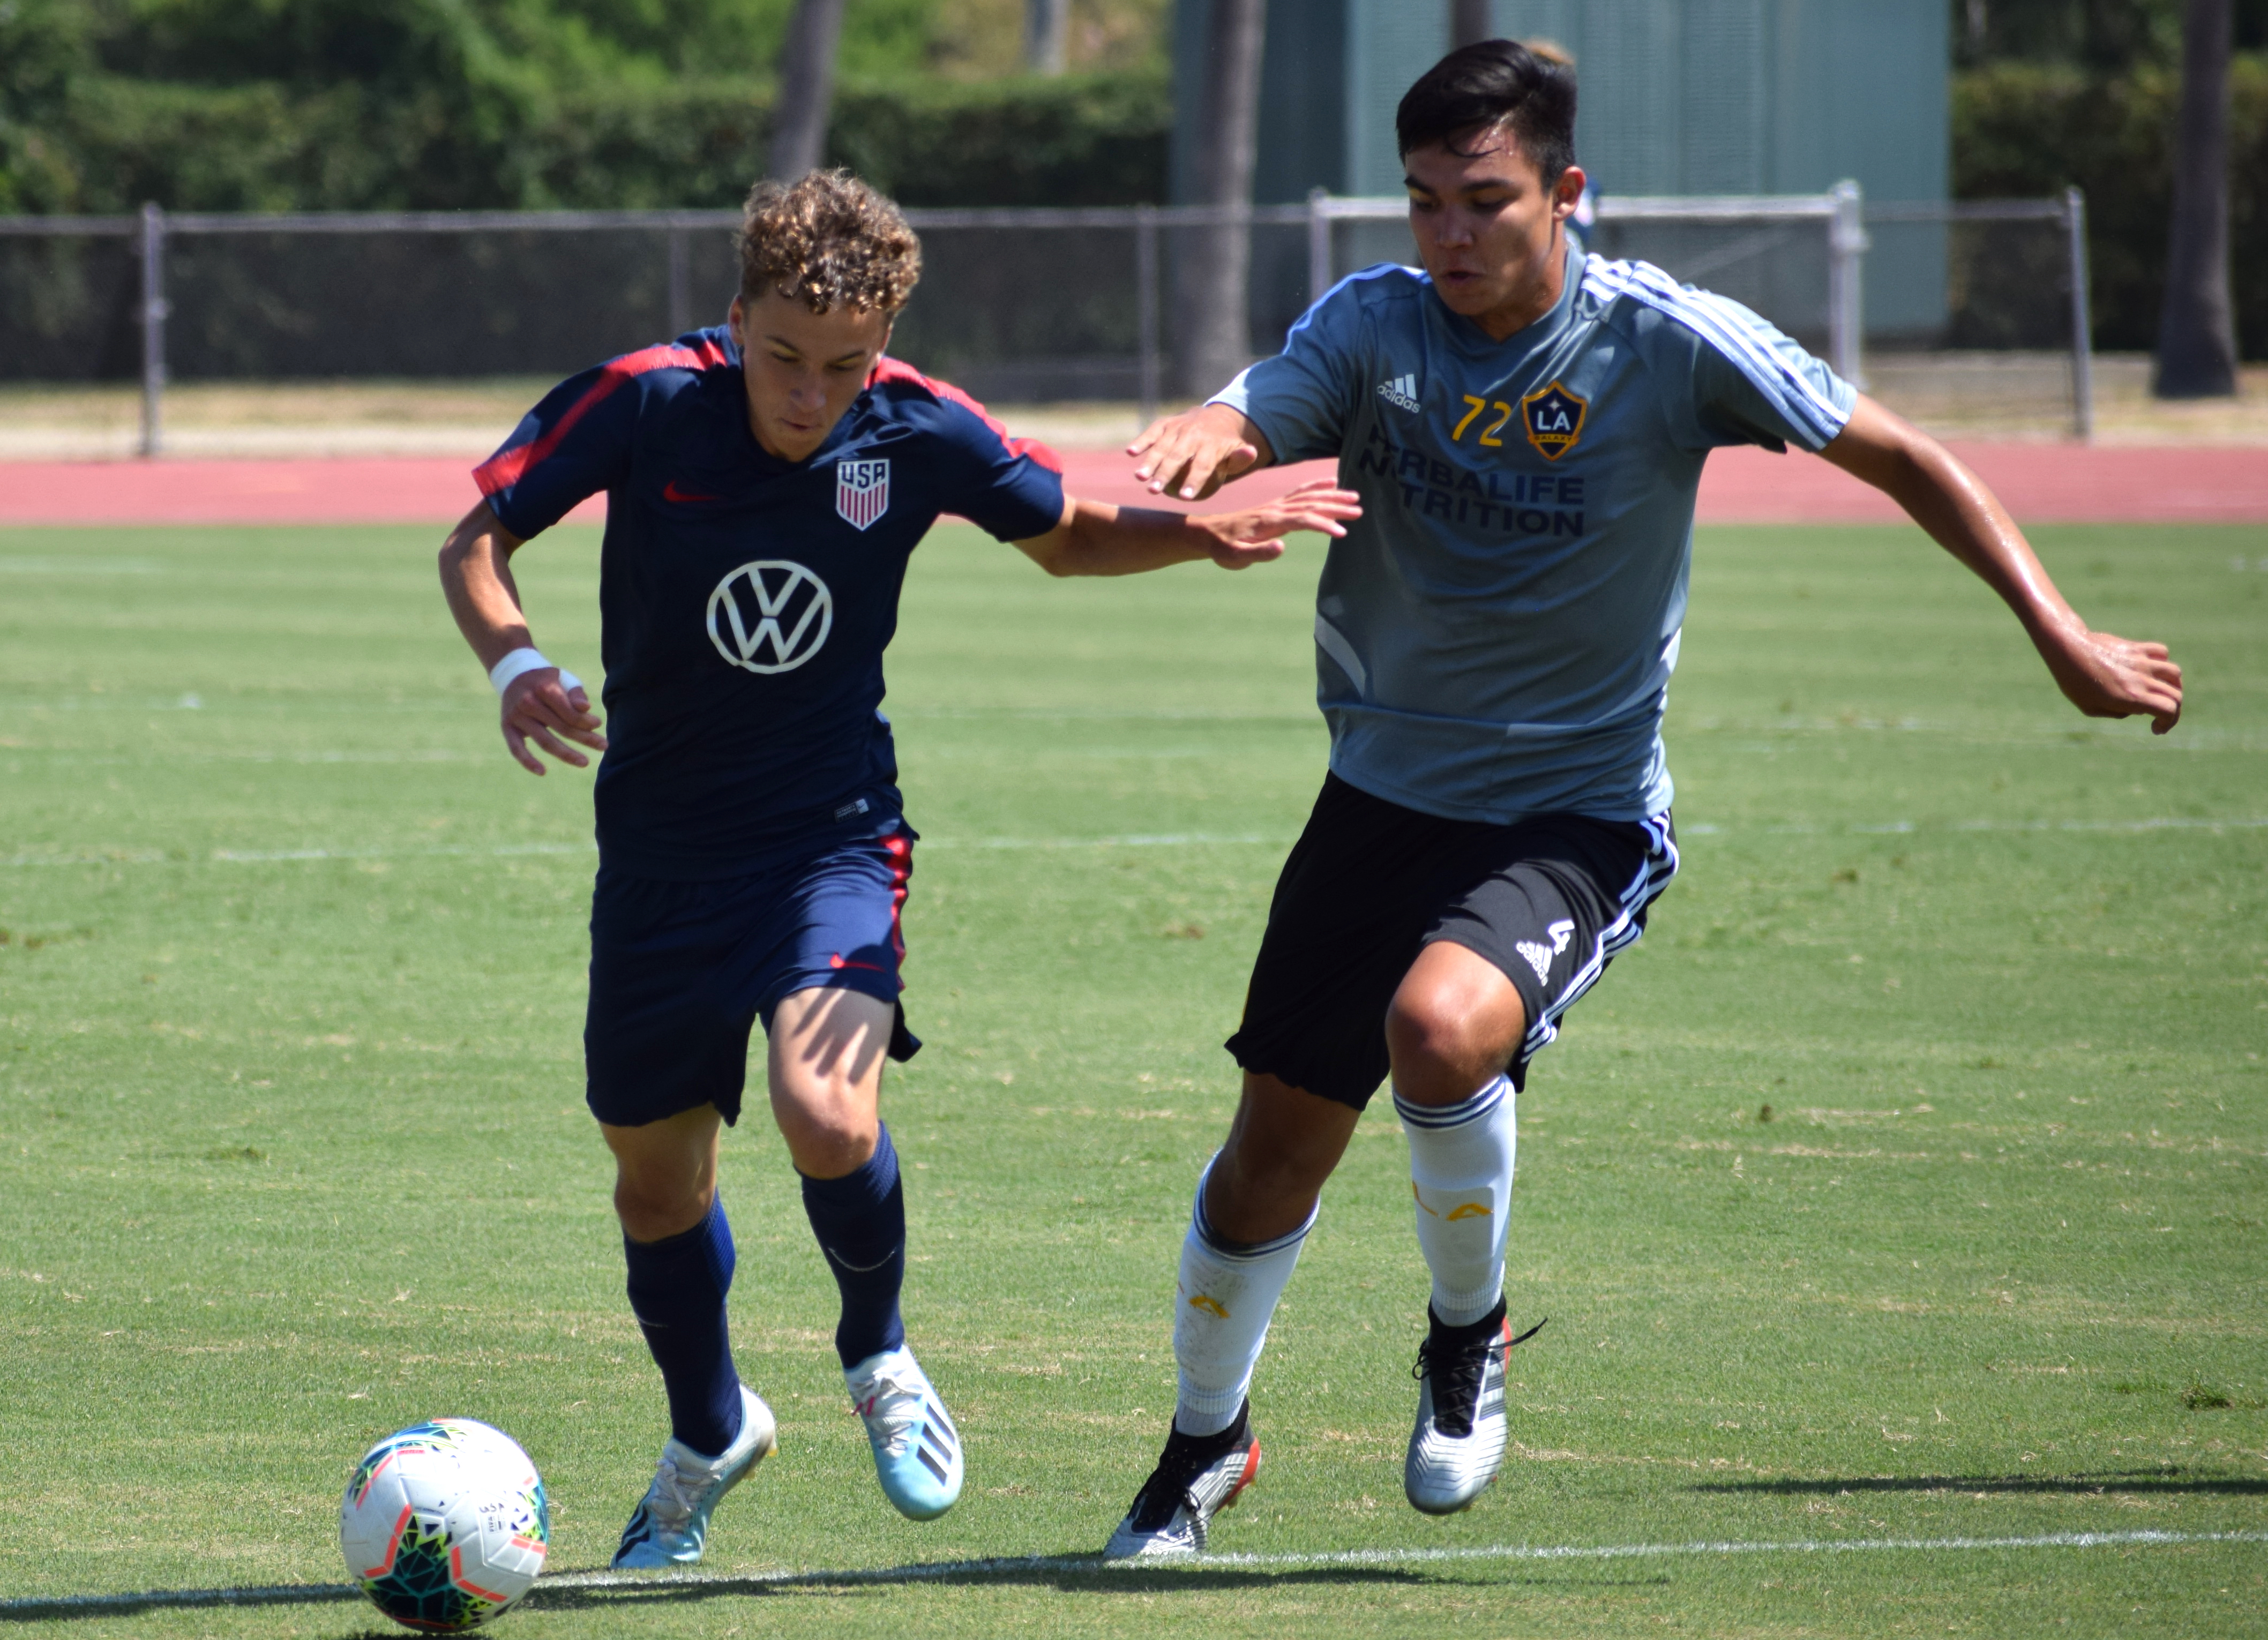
x=1197, y=1476
x=1458, y=1445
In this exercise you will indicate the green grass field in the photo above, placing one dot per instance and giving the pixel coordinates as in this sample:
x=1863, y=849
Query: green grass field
x=292, y=1148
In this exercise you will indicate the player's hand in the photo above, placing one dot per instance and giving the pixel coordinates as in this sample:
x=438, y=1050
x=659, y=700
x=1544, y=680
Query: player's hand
x=537, y=708
x=2108, y=676
x=1257, y=534
x=1191, y=455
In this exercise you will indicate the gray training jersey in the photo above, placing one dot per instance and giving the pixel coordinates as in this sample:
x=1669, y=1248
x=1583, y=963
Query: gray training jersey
x=1494, y=637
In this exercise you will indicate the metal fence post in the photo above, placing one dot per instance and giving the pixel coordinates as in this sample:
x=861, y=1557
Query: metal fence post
x=1319, y=245
x=1146, y=306
x=681, y=284
x=153, y=328
x=1846, y=307
x=2082, y=326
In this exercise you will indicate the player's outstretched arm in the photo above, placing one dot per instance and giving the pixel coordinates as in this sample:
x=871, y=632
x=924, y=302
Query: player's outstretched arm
x=1193, y=454
x=536, y=705
x=1096, y=538
x=2103, y=675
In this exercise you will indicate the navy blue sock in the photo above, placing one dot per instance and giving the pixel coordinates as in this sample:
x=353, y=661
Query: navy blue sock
x=677, y=1292
x=860, y=1221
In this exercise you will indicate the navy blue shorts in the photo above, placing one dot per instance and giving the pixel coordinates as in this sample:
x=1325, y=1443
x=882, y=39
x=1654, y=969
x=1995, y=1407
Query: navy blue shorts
x=681, y=972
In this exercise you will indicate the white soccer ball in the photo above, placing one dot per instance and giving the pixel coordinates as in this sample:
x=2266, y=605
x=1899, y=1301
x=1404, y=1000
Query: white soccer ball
x=445, y=1525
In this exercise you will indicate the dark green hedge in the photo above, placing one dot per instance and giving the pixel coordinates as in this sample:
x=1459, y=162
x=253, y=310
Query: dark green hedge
x=2025, y=129
x=1072, y=141
x=105, y=143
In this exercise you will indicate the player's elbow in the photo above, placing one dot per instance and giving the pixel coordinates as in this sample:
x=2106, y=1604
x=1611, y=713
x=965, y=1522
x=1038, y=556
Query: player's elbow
x=478, y=531
x=1053, y=553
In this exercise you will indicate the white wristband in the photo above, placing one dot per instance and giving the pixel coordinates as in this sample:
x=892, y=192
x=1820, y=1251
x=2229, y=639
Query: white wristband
x=526, y=659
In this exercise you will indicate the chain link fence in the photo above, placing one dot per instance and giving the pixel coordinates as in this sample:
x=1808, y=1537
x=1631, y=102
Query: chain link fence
x=1016, y=305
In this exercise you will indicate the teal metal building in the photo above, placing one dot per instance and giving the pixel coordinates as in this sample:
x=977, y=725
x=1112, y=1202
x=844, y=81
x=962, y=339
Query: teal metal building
x=1677, y=97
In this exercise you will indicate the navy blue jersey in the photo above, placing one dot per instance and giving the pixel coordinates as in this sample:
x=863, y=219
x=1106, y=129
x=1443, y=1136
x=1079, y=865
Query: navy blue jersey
x=747, y=600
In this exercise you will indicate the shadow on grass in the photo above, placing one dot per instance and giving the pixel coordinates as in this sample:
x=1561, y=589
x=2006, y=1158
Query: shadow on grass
x=2162, y=1480
x=68, y=1606
x=1067, y=1580
x=1068, y=1574
x=615, y=1597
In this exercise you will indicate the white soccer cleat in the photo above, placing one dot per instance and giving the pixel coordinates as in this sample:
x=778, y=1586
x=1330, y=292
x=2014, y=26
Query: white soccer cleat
x=670, y=1525
x=916, y=1449
x=1197, y=1476
x=1458, y=1445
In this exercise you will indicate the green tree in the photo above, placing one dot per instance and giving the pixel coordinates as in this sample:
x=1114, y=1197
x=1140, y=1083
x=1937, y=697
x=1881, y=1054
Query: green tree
x=347, y=105
x=45, y=46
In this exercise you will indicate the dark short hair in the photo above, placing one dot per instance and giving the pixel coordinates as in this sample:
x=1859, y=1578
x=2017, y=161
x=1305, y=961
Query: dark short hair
x=1488, y=84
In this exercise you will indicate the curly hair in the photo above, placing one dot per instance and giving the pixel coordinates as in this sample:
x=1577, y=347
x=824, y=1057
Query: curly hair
x=827, y=240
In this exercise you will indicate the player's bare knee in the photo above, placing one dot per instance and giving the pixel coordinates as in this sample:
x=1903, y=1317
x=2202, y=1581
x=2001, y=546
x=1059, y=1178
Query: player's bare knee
x=653, y=1207
x=826, y=1140
x=1441, y=1046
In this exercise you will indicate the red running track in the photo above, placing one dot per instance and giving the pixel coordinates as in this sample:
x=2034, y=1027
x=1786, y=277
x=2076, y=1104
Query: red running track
x=2040, y=482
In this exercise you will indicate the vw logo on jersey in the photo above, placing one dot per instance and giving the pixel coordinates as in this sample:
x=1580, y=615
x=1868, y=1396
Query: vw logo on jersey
x=1554, y=420
x=769, y=615
x=861, y=492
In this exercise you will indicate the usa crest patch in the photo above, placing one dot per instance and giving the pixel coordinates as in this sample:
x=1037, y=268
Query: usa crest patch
x=861, y=492
x=1553, y=418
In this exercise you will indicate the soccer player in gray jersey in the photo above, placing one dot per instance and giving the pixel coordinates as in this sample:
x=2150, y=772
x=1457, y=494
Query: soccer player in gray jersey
x=1494, y=639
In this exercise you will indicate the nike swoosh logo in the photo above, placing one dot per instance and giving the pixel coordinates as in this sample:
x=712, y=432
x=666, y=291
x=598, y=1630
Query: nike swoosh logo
x=670, y=492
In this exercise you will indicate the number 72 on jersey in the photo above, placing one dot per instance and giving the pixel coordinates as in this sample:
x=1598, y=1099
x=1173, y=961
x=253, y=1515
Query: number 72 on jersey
x=1552, y=418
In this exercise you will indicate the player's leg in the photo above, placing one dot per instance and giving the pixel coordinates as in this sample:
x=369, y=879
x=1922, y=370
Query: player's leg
x=1255, y=1203
x=1456, y=1024
x=1545, y=907
x=832, y=1032
x=1341, y=932
x=679, y=1249
x=666, y=1048
x=827, y=1049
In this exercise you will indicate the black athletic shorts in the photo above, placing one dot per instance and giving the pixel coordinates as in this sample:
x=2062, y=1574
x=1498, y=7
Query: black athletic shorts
x=1369, y=884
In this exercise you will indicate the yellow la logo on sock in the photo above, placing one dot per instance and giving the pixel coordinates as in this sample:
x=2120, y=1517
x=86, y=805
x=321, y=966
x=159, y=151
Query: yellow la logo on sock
x=1463, y=1209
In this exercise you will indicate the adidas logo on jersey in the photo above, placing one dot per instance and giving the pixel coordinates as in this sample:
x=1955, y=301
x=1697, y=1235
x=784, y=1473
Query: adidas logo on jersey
x=1401, y=392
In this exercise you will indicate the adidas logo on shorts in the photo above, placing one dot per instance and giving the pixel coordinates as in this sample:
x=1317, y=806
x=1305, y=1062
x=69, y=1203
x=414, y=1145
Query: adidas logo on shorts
x=1401, y=392
x=1539, y=956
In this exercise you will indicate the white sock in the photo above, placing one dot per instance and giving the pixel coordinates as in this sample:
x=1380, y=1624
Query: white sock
x=1460, y=1172
x=1221, y=1310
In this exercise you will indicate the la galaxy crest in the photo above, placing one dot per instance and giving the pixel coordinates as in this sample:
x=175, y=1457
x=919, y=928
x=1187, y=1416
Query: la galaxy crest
x=1553, y=419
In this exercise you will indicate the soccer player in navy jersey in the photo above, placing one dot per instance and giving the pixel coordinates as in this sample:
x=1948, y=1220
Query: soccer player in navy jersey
x=1525, y=427
x=766, y=482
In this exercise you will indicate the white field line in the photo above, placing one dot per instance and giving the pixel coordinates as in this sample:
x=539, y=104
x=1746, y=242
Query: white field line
x=1901, y=827
x=1138, y=840
x=14, y=564
x=1057, y=1564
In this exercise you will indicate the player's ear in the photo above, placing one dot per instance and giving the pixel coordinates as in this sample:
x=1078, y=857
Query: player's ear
x=736, y=320
x=1567, y=191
